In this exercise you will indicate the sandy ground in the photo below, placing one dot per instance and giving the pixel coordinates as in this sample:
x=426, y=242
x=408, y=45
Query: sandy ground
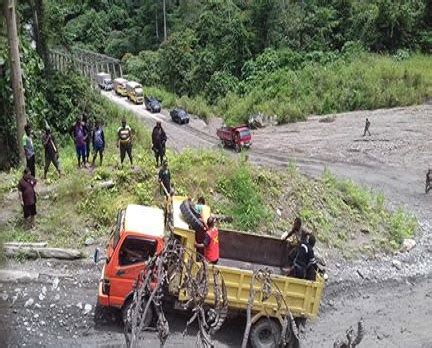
x=395, y=304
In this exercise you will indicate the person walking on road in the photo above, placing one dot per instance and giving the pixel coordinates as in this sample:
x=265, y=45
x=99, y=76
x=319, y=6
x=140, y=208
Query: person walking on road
x=80, y=135
x=51, y=152
x=165, y=179
x=124, y=142
x=98, y=141
x=27, y=196
x=159, y=139
x=29, y=151
x=366, y=129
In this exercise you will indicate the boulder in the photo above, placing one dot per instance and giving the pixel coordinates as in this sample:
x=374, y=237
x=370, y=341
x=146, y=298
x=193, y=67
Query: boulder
x=408, y=244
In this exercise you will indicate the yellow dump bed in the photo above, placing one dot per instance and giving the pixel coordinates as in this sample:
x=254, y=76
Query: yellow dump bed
x=302, y=296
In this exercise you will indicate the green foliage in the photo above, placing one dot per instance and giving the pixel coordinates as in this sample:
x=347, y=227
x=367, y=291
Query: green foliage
x=245, y=201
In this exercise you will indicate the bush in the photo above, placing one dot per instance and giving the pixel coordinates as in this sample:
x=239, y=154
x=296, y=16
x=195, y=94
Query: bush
x=246, y=203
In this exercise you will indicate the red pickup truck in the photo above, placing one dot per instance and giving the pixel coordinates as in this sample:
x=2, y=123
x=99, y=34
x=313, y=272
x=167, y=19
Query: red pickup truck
x=238, y=137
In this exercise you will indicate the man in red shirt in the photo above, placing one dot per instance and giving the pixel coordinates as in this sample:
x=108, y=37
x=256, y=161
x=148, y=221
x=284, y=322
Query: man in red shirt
x=27, y=195
x=211, y=242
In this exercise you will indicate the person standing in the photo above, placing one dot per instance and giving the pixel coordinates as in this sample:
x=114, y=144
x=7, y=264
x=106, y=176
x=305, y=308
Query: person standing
x=211, y=242
x=98, y=141
x=80, y=137
x=87, y=128
x=27, y=196
x=165, y=179
x=159, y=139
x=27, y=143
x=51, y=152
x=124, y=141
x=366, y=129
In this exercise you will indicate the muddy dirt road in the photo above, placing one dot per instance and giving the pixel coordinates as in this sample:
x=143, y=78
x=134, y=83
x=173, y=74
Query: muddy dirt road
x=396, y=311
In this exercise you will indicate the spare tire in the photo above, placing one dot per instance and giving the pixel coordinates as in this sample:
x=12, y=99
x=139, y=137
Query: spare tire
x=192, y=217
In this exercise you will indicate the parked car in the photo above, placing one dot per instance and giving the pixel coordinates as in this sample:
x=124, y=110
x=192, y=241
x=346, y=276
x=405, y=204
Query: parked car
x=179, y=116
x=135, y=92
x=152, y=104
x=119, y=85
x=104, y=81
x=239, y=137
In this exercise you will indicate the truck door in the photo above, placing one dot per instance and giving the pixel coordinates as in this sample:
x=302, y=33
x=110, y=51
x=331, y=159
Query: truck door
x=132, y=253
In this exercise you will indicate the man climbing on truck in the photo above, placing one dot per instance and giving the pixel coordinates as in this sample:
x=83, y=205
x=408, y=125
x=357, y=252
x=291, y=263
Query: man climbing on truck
x=305, y=265
x=211, y=242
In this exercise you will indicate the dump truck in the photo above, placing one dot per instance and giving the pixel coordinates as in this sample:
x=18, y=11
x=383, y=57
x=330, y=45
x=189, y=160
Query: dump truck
x=119, y=86
x=238, y=137
x=140, y=231
x=135, y=92
x=104, y=81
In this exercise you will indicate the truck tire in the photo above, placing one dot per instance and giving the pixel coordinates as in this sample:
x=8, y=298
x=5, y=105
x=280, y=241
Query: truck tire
x=125, y=314
x=265, y=333
x=191, y=217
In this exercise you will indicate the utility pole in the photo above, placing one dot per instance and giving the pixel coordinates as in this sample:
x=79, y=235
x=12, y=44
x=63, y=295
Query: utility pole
x=164, y=20
x=9, y=9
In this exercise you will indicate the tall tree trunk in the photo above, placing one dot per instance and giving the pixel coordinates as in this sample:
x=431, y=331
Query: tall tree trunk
x=157, y=24
x=164, y=20
x=39, y=32
x=16, y=77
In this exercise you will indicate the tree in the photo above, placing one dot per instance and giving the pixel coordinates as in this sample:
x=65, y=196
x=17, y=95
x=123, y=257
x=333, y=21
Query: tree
x=9, y=10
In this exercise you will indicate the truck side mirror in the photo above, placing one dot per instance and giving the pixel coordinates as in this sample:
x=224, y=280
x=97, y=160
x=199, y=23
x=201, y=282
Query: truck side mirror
x=96, y=256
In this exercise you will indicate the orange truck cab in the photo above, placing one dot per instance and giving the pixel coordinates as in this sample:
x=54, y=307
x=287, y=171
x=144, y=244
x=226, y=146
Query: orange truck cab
x=137, y=235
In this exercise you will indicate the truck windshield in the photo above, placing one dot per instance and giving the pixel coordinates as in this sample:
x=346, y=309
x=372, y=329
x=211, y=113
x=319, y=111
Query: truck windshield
x=135, y=250
x=245, y=133
x=139, y=92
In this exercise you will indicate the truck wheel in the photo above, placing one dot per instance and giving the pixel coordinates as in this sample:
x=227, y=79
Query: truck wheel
x=127, y=314
x=190, y=216
x=265, y=334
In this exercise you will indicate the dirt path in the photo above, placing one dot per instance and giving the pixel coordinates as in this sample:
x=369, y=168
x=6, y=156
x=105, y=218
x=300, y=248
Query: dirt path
x=396, y=312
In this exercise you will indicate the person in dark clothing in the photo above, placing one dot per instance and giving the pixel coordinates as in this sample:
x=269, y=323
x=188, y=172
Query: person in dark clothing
x=124, y=141
x=98, y=140
x=80, y=135
x=51, y=152
x=159, y=139
x=366, y=129
x=88, y=128
x=29, y=151
x=428, y=180
x=27, y=196
x=305, y=265
x=165, y=179
x=298, y=232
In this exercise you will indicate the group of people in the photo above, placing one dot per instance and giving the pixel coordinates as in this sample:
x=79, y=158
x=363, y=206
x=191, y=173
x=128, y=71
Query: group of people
x=84, y=136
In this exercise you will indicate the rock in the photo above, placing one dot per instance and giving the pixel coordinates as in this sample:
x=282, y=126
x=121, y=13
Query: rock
x=44, y=290
x=5, y=296
x=79, y=305
x=89, y=241
x=87, y=308
x=55, y=283
x=37, y=305
x=397, y=264
x=278, y=212
x=57, y=297
x=17, y=276
x=408, y=244
x=52, y=305
x=36, y=316
x=41, y=297
x=29, y=302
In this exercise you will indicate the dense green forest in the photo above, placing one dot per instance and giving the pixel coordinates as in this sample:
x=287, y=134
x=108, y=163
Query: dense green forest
x=237, y=57
x=231, y=58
